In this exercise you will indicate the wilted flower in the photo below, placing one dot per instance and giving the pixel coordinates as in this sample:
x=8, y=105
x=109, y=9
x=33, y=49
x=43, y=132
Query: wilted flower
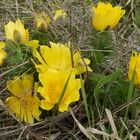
x=53, y=85
x=59, y=14
x=134, y=67
x=3, y=54
x=105, y=16
x=58, y=58
x=42, y=21
x=16, y=32
x=24, y=103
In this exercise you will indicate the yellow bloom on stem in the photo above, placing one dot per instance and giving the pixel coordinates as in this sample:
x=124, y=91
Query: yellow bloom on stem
x=81, y=64
x=53, y=85
x=3, y=54
x=42, y=21
x=24, y=103
x=134, y=67
x=58, y=58
x=59, y=14
x=17, y=32
x=105, y=16
x=33, y=45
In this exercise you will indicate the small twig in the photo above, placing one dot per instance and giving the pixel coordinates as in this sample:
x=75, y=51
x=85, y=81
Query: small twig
x=123, y=106
x=19, y=138
x=16, y=3
x=1, y=75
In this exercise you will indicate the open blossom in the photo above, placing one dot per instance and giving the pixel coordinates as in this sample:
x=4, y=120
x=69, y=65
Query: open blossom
x=24, y=104
x=3, y=54
x=105, y=16
x=42, y=21
x=134, y=67
x=17, y=32
x=58, y=58
x=53, y=85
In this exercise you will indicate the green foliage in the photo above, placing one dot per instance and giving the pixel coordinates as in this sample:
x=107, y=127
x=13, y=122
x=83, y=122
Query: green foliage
x=85, y=99
x=17, y=54
x=43, y=37
x=103, y=45
x=110, y=91
x=137, y=17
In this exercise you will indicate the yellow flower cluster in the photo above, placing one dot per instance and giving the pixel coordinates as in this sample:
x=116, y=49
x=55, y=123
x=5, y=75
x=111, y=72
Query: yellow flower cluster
x=57, y=70
x=58, y=65
x=134, y=68
x=43, y=20
x=54, y=70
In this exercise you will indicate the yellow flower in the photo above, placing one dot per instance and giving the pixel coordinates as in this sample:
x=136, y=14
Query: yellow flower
x=42, y=21
x=53, y=85
x=3, y=54
x=81, y=64
x=58, y=58
x=23, y=103
x=134, y=67
x=59, y=13
x=16, y=32
x=33, y=44
x=105, y=16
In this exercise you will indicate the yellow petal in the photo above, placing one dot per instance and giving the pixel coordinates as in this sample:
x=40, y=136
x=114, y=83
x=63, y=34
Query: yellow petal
x=37, y=55
x=45, y=51
x=3, y=55
x=44, y=93
x=46, y=105
x=16, y=87
x=13, y=104
x=134, y=67
x=28, y=118
x=33, y=44
x=36, y=113
x=81, y=64
x=75, y=96
x=2, y=45
x=27, y=81
x=23, y=33
x=63, y=107
x=35, y=109
x=9, y=30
